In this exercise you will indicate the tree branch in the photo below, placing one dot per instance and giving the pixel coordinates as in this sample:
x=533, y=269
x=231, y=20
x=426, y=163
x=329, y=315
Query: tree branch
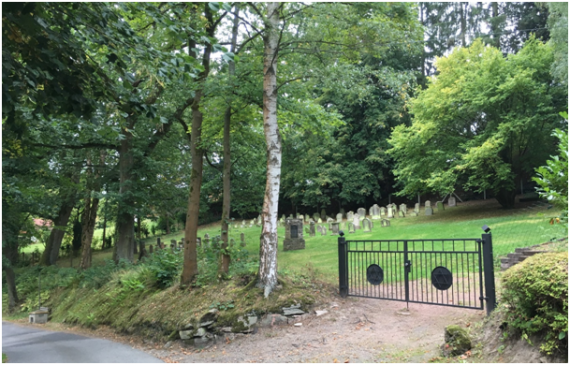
x=77, y=147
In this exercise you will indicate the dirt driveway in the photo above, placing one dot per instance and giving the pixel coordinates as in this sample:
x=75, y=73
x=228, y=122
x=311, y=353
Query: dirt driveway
x=353, y=330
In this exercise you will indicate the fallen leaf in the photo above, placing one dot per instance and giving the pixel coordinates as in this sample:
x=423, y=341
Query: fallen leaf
x=346, y=361
x=335, y=361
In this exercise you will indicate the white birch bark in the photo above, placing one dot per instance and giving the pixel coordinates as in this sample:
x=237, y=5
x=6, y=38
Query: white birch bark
x=268, y=244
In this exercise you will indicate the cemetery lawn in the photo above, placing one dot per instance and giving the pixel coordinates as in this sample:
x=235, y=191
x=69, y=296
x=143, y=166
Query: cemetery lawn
x=511, y=229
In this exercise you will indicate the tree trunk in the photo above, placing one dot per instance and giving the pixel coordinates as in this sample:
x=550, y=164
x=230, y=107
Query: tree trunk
x=125, y=218
x=105, y=225
x=89, y=218
x=12, y=292
x=268, y=241
x=226, y=210
x=10, y=253
x=53, y=244
x=495, y=25
x=506, y=197
x=167, y=223
x=463, y=7
x=190, y=268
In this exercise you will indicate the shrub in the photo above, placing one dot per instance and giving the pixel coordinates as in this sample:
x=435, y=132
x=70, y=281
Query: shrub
x=536, y=292
x=164, y=267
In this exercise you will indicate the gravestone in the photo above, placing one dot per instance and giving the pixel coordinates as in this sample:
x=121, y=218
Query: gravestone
x=242, y=239
x=158, y=244
x=312, y=229
x=382, y=212
x=356, y=221
x=307, y=218
x=142, y=250
x=181, y=245
x=385, y=222
x=417, y=207
x=323, y=231
x=334, y=228
x=342, y=212
x=150, y=250
x=451, y=201
x=350, y=216
x=351, y=227
x=361, y=213
x=342, y=226
x=206, y=240
x=414, y=213
x=339, y=217
x=300, y=216
x=366, y=226
x=323, y=214
x=401, y=214
x=198, y=242
x=232, y=242
x=439, y=206
x=320, y=220
x=290, y=216
x=427, y=203
x=375, y=211
x=307, y=231
x=404, y=208
x=319, y=228
x=428, y=210
x=172, y=245
x=390, y=211
x=330, y=220
x=316, y=216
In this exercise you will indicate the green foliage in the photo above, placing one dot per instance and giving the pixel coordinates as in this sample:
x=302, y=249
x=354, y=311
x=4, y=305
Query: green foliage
x=31, y=302
x=552, y=179
x=558, y=26
x=483, y=122
x=223, y=306
x=165, y=267
x=536, y=294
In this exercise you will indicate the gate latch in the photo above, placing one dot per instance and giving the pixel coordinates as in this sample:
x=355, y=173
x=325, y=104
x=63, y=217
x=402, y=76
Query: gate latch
x=408, y=266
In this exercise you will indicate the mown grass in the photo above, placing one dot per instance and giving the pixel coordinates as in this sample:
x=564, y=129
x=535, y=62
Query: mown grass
x=510, y=229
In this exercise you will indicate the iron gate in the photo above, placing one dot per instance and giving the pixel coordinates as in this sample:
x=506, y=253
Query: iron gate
x=446, y=272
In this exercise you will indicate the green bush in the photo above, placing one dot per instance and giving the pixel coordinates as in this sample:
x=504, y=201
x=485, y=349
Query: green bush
x=164, y=266
x=536, y=294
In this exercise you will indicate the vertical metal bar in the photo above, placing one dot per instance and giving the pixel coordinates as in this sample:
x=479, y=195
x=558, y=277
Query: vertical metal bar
x=342, y=266
x=481, y=296
x=489, y=272
x=406, y=272
x=469, y=278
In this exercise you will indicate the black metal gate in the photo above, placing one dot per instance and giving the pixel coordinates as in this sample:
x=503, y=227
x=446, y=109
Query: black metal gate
x=446, y=272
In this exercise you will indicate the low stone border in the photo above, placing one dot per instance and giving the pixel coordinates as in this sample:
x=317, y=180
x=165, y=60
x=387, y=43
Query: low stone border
x=206, y=331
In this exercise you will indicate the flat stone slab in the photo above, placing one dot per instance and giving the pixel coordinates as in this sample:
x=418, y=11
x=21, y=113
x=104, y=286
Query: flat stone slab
x=292, y=311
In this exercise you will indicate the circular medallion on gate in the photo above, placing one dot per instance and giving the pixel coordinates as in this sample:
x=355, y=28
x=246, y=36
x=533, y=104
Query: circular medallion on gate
x=441, y=278
x=374, y=274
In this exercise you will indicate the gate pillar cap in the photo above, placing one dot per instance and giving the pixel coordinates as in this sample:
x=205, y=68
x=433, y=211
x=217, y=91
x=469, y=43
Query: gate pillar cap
x=341, y=233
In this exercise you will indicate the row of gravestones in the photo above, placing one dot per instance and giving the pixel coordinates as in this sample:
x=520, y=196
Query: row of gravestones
x=174, y=246
x=375, y=212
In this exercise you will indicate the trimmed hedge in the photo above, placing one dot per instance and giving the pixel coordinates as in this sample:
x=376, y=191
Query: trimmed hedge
x=536, y=294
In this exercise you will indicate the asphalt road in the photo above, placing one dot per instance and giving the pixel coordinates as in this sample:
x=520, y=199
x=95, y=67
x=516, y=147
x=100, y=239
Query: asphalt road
x=31, y=345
